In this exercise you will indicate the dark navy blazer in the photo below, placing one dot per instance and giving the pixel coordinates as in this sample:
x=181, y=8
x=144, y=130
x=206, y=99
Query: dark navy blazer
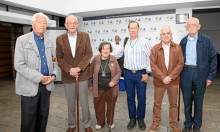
x=206, y=57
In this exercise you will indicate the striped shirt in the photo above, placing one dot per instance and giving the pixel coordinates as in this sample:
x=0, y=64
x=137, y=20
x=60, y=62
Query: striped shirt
x=136, y=55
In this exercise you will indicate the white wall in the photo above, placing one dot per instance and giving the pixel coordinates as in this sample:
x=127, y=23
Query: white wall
x=20, y=19
x=180, y=29
x=56, y=6
x=65, y=7
x=95, y=5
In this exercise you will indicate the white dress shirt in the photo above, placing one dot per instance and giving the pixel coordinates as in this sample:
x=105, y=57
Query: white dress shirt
x=166, y=49
x=72, y=41
x=117, y=50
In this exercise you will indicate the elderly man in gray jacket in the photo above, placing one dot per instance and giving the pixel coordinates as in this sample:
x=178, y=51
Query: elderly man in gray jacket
x=36, y=70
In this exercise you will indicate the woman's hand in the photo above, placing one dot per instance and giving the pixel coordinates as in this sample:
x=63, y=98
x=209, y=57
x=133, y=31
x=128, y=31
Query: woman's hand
x=111, y=84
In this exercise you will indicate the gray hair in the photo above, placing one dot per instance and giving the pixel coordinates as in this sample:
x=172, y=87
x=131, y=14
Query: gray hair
x=39, y=14
x=71, y=16
x=165, y=27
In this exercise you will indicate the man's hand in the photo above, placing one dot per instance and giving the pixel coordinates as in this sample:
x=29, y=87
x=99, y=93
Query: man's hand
x=145, y=78
x=44, y=79
x=49, y=80
x=167, y=80
x=208, y=82
x=74, y=72
x=90, y=88
x=111, y=84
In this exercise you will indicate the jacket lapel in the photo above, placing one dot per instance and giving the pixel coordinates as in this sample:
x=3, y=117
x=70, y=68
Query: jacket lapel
x=66, y=43
x=47, y=52
x=79, y=37
x=162, y=56
x=33, y=43
x=170, y=55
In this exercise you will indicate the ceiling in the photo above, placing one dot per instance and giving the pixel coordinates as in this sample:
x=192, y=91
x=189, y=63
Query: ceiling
x=194, y=5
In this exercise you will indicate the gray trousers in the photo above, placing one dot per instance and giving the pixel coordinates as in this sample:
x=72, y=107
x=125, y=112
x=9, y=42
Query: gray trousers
x=70, y=90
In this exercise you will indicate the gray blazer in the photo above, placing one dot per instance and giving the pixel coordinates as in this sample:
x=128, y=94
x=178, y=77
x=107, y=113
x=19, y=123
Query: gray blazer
x=27, y=63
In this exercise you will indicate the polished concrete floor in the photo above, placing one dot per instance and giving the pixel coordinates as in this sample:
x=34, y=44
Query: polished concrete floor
x=10, y=110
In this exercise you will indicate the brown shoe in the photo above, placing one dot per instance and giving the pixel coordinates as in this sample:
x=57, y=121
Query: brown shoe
x=175, y=129
x=153, y=127
x=88, y=129
x=71, y=129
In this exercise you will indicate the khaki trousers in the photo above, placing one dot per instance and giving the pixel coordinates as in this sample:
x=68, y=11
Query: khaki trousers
x=83, y=100
x=172, y=91
x=104, y=97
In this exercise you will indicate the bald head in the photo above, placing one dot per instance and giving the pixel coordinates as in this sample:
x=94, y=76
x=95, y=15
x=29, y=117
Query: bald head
x=193, y=19
x=71, y=17
x=71, y=24
x=193, y=26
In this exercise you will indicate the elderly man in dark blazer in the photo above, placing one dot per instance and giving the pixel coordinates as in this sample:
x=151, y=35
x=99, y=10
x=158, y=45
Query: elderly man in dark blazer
x=74, y=52
x=200, y=67
x=36, y=70
x=166, y=61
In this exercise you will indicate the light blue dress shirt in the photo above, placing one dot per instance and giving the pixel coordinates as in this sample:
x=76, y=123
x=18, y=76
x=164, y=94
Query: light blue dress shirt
x=72, y=41
x=191, y=51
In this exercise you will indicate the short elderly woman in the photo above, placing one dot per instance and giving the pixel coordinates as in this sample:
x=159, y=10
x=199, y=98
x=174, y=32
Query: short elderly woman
x=106, y=74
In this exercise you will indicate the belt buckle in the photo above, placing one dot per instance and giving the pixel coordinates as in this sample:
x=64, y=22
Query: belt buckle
x=133, y=71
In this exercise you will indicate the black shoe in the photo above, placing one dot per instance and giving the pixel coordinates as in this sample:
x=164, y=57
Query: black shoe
x=187, y=129
x=131, y=124
x=141, y=124
x=196, y=129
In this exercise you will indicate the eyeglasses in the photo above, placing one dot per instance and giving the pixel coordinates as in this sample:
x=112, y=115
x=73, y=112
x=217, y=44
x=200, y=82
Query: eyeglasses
x=193, y=25
x=72, y=23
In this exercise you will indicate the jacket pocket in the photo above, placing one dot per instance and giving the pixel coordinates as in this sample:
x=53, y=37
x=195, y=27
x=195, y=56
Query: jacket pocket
x=27, y=87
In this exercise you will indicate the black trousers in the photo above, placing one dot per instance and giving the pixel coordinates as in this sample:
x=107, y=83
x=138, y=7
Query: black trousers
x=35, y=110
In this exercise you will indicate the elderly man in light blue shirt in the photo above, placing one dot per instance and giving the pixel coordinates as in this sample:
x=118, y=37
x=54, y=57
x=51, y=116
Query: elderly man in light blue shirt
x=191, y=50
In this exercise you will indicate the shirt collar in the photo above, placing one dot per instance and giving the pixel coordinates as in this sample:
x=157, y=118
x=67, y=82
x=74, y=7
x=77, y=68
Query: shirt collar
x=71, y=35
x=196, y=37
x=163, y=45
x=36, y=36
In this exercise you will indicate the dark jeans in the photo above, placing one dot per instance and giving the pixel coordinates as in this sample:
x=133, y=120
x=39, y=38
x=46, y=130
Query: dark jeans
x=133, y=83
x=35, y=110
x=192, y=90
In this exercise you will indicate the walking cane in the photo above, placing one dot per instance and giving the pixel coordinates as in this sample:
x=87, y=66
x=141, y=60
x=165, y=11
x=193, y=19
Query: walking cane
x=110, y=128
x=179, y=104
x=77, y=100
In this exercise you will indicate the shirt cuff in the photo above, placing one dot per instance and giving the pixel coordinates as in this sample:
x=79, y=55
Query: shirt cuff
x=53, y=75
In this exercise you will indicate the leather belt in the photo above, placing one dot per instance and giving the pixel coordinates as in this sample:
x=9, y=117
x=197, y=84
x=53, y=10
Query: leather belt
x=135, y=71
x=190, y=66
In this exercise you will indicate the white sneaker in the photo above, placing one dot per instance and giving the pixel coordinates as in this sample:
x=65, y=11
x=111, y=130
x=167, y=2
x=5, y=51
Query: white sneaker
x=97, y=127
x=112, y=126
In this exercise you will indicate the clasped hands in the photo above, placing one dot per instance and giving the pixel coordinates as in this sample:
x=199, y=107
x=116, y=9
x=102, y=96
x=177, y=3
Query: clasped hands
x=167, y=80
x=47, y=80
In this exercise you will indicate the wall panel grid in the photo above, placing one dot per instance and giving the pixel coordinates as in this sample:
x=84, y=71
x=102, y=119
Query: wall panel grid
x=106, y=29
